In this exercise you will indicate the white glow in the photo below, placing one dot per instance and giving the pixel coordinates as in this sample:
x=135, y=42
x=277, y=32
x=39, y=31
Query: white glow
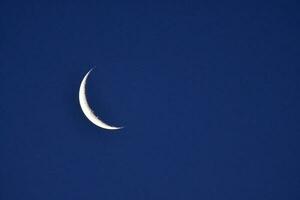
x=88, y=112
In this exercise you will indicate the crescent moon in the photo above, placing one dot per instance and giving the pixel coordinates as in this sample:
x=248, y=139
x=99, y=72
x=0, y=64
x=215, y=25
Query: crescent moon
x=88, y=112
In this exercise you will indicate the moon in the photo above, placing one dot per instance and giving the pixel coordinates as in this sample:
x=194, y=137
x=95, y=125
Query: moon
x=88, y=112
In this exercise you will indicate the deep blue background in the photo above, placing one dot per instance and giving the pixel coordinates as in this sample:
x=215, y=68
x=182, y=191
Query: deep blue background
x=208, y=94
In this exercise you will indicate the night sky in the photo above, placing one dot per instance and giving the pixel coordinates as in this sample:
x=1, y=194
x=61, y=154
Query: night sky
x=208, y=94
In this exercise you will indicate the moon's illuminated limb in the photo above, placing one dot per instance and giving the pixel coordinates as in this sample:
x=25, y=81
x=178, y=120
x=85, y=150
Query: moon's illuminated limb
x=87, y=109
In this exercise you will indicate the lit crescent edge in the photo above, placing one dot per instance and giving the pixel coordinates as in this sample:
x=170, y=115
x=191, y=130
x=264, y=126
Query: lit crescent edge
x=88, y=112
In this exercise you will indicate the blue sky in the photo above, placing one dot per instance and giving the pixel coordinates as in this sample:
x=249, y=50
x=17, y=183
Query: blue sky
x=208, y=94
